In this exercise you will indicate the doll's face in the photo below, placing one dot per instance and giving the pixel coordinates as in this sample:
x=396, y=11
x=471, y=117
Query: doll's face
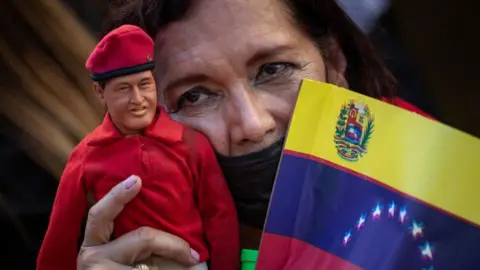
x=131, y=101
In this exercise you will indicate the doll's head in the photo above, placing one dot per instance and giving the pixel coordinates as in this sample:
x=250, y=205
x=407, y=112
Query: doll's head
x=131, y=100
x=121, y=66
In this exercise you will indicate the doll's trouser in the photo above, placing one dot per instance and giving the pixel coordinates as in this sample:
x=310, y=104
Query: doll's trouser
x=157, y=263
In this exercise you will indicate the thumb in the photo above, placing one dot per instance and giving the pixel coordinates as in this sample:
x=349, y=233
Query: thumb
x=99, y=226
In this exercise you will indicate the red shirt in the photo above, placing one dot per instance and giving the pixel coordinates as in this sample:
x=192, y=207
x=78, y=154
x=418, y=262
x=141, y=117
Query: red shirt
x=183, y=192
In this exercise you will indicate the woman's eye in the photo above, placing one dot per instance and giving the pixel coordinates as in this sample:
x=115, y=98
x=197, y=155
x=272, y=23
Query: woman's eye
x=193, y=97
x=271, y=71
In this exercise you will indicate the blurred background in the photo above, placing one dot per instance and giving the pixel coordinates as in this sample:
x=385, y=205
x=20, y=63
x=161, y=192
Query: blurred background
x=46, y=103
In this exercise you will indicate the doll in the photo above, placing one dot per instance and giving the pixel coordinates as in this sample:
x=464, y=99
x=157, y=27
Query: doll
x=183, y=189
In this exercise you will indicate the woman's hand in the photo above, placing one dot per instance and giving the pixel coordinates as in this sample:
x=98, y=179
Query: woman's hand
x=97, y=253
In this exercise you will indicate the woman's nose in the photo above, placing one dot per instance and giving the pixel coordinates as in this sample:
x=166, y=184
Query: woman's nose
x=251, y=120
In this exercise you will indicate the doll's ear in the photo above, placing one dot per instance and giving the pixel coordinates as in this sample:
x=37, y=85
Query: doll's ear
x=99, y=92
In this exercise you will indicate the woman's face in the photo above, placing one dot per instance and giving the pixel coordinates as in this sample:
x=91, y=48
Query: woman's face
x=232, y=69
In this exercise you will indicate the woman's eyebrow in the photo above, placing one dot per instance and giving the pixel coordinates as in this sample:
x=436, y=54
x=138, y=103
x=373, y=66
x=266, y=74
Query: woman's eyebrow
x=188, y=79
x=268, y=52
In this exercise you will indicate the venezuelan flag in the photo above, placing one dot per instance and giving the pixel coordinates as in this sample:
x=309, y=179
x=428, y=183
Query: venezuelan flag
x=365, y=185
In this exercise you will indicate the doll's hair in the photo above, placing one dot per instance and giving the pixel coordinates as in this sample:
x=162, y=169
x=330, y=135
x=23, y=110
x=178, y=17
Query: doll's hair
x=103, y=83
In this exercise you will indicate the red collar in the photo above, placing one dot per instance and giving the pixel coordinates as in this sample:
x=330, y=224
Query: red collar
x=162, y=128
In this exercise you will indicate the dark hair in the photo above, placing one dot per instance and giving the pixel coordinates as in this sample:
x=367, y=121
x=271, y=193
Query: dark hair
x=102, y=84
x=366, y=72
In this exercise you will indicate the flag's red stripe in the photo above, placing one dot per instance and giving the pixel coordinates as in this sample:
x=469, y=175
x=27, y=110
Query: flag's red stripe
x=376, y=182
x=285, y=253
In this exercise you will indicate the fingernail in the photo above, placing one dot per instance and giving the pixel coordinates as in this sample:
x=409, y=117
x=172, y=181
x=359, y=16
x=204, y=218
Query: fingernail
x=195, y=255
x=130, y=182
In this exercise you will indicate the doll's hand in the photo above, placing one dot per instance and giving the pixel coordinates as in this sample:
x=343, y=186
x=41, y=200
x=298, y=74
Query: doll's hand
x=97, y=253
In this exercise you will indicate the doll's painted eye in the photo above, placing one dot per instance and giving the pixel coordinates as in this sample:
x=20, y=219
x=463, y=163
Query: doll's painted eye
x=145, y=85
x=123, y=89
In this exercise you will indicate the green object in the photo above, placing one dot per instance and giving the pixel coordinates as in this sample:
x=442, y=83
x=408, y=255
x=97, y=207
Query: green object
x=248, y=259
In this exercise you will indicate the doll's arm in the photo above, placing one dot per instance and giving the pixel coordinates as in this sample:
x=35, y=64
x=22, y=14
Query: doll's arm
x=217, y=209
x=59, y=249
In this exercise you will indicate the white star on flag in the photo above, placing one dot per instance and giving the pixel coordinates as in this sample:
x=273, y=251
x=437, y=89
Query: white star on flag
x=361, y=221
x=346, y=238
x=416, y=229
x=427, y=251
x=391, y=209
x=377, y=211
x=402, y=215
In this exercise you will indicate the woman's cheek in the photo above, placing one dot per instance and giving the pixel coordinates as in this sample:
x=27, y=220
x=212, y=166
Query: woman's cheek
x=280, y=101
x=280, y=107
x=210, y=126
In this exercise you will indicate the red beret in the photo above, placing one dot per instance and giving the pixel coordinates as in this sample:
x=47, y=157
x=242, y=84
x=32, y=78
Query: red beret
x=125, y=50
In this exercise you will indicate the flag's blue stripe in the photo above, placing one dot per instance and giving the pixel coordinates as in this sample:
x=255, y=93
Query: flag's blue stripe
x=318, y=204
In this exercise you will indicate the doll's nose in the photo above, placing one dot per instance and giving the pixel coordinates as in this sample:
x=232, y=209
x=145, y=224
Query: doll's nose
x=136, y=97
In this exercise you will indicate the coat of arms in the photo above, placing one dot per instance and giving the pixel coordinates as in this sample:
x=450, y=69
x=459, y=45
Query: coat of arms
x=353, y=131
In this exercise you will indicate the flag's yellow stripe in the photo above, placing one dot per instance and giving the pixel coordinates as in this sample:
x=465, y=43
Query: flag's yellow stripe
x=414, y=155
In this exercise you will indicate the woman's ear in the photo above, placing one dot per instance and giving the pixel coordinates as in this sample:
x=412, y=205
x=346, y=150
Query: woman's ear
x=335, y=62
x=99, y=92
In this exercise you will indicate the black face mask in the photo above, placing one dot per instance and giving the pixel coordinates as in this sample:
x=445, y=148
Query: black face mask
x=250, y=178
